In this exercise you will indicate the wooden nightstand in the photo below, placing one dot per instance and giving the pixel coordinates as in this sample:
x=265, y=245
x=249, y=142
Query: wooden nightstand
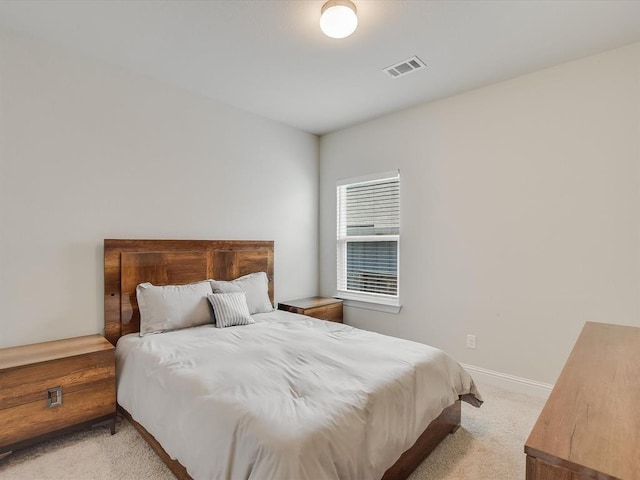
x=54, y=387
x=318, y=307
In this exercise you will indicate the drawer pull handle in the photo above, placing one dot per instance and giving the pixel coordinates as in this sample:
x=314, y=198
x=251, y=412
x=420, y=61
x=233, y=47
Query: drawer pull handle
x=54, y=397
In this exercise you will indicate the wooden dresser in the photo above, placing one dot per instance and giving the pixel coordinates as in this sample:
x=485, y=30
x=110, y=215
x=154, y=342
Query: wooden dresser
x=54, y=387
x=589, y=427
x=323, y=308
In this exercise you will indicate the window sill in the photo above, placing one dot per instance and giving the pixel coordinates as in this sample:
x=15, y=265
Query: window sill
x=351, y=301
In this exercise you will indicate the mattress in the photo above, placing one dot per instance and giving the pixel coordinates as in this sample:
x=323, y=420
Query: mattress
x=289, y=397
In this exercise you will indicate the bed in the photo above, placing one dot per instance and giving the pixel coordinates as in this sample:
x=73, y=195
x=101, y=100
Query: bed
x=286, y=397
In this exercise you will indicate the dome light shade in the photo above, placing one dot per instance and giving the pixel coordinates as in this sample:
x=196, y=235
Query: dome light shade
x=338, y=18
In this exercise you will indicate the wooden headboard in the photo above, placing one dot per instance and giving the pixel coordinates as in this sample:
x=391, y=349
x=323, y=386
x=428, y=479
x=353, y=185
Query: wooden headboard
x=171, y=262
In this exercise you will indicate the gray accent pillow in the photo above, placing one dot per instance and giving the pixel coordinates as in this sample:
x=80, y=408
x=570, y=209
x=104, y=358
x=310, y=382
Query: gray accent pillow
x=254, y=285
x=171, y=307
x=230, y=309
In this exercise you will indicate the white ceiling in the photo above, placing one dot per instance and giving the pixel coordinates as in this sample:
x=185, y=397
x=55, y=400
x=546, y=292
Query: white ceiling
x=270, y=58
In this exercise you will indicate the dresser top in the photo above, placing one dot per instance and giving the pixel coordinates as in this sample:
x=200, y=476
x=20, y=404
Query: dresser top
x=592, y=417
x=43, y=352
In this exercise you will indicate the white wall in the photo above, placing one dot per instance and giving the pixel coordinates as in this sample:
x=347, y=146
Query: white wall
x=89, y=152
x=520, y=212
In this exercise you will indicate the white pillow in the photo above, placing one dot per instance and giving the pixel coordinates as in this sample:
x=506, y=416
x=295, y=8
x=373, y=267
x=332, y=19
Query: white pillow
x=230, y=309
x=171, y=307
x=254, y=285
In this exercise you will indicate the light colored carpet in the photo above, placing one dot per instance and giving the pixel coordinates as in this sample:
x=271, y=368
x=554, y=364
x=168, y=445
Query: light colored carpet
x=488, y=446
x=490, y=443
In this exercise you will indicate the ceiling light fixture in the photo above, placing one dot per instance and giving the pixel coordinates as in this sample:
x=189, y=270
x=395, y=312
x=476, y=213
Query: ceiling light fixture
x=338, y=18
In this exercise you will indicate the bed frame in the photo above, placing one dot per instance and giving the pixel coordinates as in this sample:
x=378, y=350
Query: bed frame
x=161, y=262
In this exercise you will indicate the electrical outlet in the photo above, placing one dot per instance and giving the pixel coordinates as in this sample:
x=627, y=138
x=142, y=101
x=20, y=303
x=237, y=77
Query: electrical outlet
x=471, y=341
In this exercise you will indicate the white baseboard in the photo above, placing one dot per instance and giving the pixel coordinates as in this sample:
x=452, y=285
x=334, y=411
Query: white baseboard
x=509, y=382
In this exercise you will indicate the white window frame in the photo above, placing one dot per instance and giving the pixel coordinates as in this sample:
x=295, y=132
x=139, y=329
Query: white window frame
x=387, y=303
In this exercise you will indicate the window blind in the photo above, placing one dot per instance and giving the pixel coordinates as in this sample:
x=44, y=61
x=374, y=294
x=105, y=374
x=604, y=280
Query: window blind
x=369, y=236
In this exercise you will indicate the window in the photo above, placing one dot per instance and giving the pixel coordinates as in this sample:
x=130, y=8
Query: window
x=369, y=238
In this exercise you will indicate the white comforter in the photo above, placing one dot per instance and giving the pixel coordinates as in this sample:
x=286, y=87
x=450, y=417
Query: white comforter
x=290, y=397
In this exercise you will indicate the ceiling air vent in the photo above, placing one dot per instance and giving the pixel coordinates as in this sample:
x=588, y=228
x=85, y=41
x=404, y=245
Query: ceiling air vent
x=402, y=68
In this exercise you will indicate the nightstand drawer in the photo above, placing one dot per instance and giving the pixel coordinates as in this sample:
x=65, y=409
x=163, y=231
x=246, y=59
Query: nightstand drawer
x=332, y=312
x=30, y=383
x=35, y=418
